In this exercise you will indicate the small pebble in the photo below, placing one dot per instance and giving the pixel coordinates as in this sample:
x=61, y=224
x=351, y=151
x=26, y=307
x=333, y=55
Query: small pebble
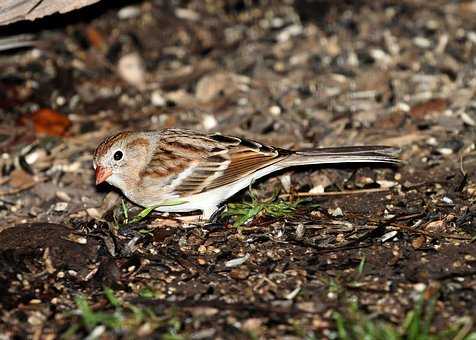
x=467, y=119
x=420, y=287
x=209, y=122
x=187, y=14
x=445, y=151
x=337, y=212
x=292, y=294
x=157, y=99
x=275, y=110
x=386, y=184
x=131, y=69
x=77, y=239
x=63, y=196
x=289, y=32
x=236, y=262
x=300, y=230
x=285, y=182
x=422, y=42
x=388, y=236
x=97, y=332
x=128, y=12
x=61, y=206
x=36, y=319
x=447, y=200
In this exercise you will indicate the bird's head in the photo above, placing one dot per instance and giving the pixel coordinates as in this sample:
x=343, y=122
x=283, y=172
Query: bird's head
x=119, y=159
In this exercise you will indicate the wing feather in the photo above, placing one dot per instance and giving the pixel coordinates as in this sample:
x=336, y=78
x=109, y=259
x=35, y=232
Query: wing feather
x=237, y=163
x=216, y=160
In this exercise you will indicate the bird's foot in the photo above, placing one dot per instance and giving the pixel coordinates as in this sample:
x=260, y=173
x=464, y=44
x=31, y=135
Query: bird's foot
x=212, y=215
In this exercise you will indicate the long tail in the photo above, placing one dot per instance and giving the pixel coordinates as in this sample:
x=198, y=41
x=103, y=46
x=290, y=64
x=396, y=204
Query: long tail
x=345, y=154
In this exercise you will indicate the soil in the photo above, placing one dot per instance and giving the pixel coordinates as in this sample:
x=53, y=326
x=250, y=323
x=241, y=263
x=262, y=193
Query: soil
x=294, y=74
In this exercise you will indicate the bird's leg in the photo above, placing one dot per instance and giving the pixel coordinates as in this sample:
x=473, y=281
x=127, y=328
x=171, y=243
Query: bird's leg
x=211, y=217
x=193, y=219
x=209, y=212
x=216, y=214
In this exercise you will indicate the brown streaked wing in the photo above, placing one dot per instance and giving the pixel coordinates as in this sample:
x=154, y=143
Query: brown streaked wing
x=244, y=163
x=229, y=165
x=176, y=152
x=217, y=159
x=171, y=159
x=204, y=173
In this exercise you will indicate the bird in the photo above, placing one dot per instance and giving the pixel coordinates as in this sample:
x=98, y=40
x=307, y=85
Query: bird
x=179, y=170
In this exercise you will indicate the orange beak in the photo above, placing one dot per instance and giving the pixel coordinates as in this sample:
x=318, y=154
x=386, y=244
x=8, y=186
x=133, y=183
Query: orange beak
x=102, y=174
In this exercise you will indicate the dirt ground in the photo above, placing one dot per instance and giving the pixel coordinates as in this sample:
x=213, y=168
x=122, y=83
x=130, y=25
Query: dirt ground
x=329, y=252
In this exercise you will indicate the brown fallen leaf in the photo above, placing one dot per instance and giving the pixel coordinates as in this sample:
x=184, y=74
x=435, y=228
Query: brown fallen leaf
x=419, y=242
x=422, y=110
x=240, y=273
x=47, y=122
x=435, y=227
x=95, y=38
x=21, y=180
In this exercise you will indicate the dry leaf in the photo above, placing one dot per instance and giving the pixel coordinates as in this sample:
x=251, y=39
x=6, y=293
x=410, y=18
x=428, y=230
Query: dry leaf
x=48, y=122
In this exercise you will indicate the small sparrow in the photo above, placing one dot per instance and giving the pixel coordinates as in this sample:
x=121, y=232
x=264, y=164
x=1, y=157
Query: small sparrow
x=178, y=170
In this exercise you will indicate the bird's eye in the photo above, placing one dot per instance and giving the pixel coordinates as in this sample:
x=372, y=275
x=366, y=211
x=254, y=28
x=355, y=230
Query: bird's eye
x=118, y=155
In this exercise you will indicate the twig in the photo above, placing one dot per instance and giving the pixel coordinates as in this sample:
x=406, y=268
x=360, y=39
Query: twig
x=221, y=305
x=432, y=235
x=335, y=193
x=17, y=190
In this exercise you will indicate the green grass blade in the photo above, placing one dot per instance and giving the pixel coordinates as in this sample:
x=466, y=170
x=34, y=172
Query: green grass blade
x=361, y=267
x=113, y=300
x=86, y=312
x=125, y=212
x=340, y=324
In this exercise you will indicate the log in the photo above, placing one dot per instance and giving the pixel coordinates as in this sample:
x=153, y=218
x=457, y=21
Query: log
x=16, y=10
